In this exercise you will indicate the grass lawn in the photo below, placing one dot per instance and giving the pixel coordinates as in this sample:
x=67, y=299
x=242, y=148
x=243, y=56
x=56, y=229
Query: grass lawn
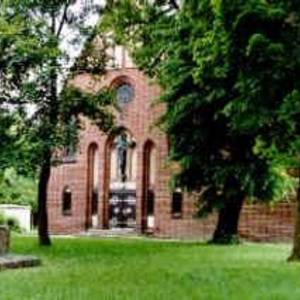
x=142, y=269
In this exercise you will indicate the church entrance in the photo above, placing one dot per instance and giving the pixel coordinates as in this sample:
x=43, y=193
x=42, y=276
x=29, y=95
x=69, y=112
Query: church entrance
x=122, y=187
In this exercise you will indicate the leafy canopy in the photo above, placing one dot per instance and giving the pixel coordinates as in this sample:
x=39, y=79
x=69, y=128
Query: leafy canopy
x=34, y=68
x=229, y=71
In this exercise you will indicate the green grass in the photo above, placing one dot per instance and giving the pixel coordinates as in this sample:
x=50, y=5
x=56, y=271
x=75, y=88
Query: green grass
x=142, y=269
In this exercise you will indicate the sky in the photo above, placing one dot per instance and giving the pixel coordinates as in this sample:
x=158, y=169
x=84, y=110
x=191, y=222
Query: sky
x=72, y=50
x=68, y=34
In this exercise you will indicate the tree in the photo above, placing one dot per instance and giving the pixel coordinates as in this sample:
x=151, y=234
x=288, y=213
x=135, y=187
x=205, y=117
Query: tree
x=229, y=71
x=31, y=64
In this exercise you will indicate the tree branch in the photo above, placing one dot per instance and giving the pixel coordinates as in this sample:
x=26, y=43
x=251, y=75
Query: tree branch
x=174, y=4
x=63, y=19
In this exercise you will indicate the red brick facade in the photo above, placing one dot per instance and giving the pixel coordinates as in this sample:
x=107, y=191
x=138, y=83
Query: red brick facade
x=138, y=118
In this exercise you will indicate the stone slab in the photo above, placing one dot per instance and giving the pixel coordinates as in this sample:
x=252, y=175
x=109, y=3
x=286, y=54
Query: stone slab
x=11, y=261
x=117, y=232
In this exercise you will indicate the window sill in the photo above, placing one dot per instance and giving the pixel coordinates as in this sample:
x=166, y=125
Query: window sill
x=67, y=213
x=177, y=216
x=69, y=160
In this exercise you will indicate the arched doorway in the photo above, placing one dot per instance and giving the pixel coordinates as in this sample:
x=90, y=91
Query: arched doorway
x=92, y=220
x=148, y=196
x=122, y=181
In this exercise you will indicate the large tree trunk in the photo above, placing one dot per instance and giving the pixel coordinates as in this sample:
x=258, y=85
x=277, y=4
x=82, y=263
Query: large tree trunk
x=226, y=231
x=295, y=256
x=49, y=131
x=44, y=239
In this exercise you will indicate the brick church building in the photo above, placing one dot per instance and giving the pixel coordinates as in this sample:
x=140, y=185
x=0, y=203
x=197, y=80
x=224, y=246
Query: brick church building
x=122, y=182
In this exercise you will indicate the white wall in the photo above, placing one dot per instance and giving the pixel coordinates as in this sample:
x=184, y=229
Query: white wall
x=21, y=213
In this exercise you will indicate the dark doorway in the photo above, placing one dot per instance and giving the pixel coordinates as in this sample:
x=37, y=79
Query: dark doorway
x=148, y=196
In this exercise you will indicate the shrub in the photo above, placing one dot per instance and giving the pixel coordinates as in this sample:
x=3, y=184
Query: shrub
x=2, y=219
x=17, y=189
x=11, y=222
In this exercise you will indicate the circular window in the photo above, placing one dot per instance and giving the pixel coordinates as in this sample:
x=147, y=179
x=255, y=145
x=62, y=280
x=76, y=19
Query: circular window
x=125, y=94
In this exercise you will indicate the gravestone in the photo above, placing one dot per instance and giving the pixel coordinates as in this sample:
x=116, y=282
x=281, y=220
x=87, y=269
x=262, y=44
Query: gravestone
x=4, y=240
x=11, y=261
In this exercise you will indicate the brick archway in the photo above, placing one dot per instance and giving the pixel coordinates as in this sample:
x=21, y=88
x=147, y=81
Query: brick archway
x=119, y=80
x=112, y=184
x=148, y=187
x=106, y=180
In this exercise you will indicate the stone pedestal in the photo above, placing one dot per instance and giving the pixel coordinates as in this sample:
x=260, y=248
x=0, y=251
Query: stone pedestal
x=4, y=240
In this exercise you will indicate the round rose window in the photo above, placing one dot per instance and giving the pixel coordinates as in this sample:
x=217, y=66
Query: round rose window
x=125, y=94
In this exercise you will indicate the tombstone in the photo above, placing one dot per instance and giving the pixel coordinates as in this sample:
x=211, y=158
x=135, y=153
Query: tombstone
x=4, y=240
x=9, y=260
x=20, y=213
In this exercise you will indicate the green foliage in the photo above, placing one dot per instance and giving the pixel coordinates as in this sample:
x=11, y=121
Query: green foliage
x=12, y=223
x=32, y=62
x=17, y=189
x=2, y=219
x=93, y=57
x=230, y=77
x=16, y=149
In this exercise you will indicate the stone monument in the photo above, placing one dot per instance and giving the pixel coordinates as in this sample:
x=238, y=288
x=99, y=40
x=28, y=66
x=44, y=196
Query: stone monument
x=11, y=261
x=4, y=240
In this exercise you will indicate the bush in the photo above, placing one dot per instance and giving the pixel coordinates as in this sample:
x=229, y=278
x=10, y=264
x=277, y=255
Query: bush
x=17, y=189
x=2, y=219
x=11, y=222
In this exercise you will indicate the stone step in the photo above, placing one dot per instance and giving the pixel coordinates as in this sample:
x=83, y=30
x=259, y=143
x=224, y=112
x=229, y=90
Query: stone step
x=11, y=261
x=116, y=232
